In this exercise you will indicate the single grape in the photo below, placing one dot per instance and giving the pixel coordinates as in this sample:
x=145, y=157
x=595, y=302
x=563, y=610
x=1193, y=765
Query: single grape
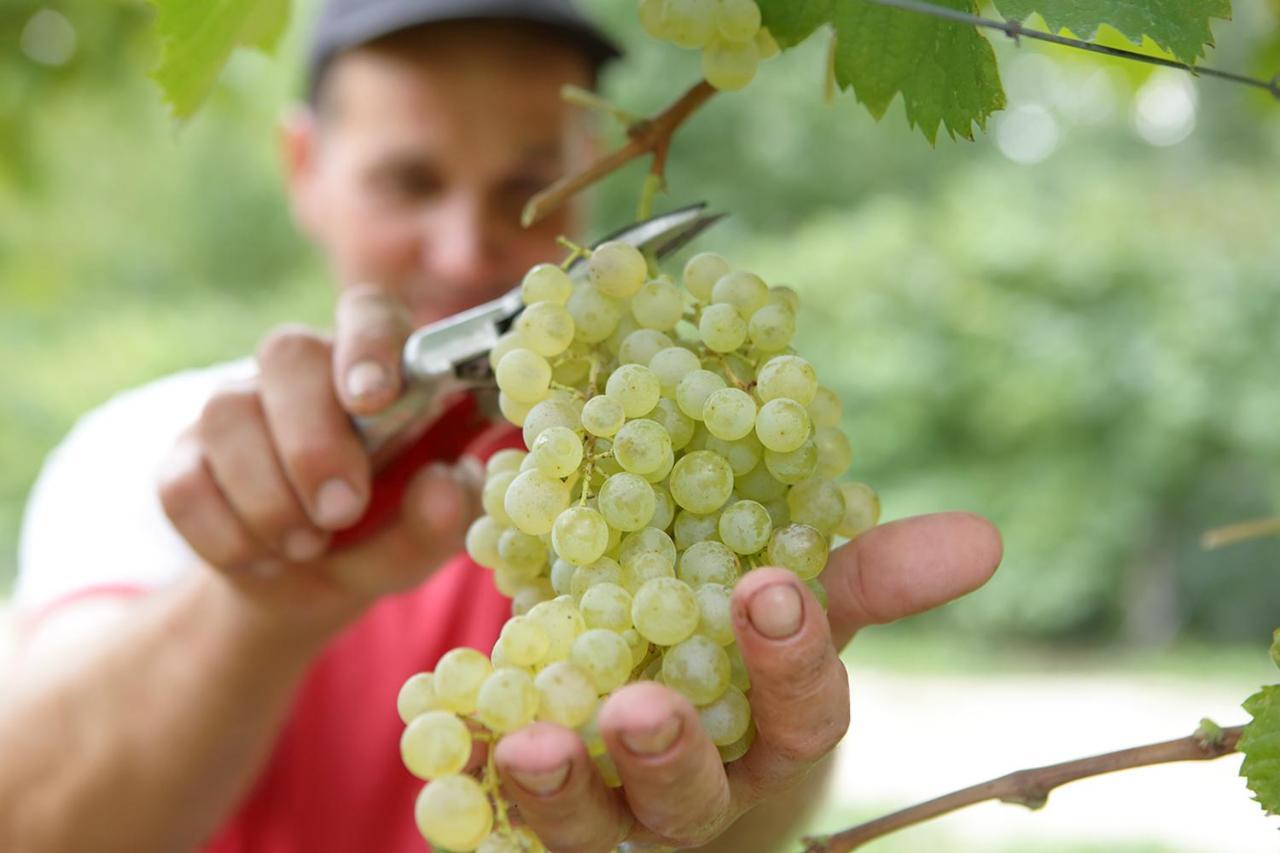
x=794, y=466
x=458, y=675
x=691, y=528
x=745, y=526
x=834, y=453
x=534, y=500
x=603, y=570
x=694, y=389
x=772, y=328
x=606, y=605
x=603, y=416
x=715, y=620
x=722, y=328
x=727, y=718
x=742, y=455
x=671, y=365
x=533, y=592
x=787, y=376
x=737, y=749
x=507, y=700
x=800, y=548
x=605, y=658
x=759, y=484
x=522, y=555
x=524, y=376
x=648, y=540
x=738, y=20
x=641, y=446
x=645, y=567
x=417, y=696
x=664, y=511
x=595, y=315
x=507, y=459
x=505, y=344
x=546, y=328
x=730, y=65
x=546, y=283
x=640, y=346
x=825, y=408
x=701, y=481
x=512, y=410
x=561, y=621
x=708, y=562
x=697, y=667
x=702, y=272
x=566, y=695
x=782, y=425
x=690, y=23
x=745, y=291
x=557, y=451
x=817, y=502
x=665, y=611
x=453, y=812
x=862, y=509
x=729, y=414
x=635, y=387
x=555, y=411
x=617, y=269
x=626, y=501
x=658, y=305
x=525, y=641
x=678, y=425
x=482, y=541
x=580, y=535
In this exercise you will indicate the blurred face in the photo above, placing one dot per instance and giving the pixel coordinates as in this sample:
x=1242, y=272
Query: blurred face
x=413, y=174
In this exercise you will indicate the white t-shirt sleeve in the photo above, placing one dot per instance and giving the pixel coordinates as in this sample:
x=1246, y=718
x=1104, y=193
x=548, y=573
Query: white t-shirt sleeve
x=94, y=519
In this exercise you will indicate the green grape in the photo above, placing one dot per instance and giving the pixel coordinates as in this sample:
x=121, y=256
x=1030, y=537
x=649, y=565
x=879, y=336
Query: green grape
x=507, y=459
x=580, y=535
x=678, y=425
x=603, y=570
x=649, y=540
x=453, y=812
x=607, y=769
x=825, y=409
x=745, y=291
x=595, y=315
x=617, y=269
x=708, y=562
x=524, y=376
x=642, y=345
x=690, y=23
x=627, y=326
x=533, y=592
x=817, y=502
x=759, y=484
x=793, y=467
x=694, y=389
x=691, y=528
x=639, y=646
x=729, y=414
x=512, y=410
x=721, y=327
x=657, y=475
x=557, y=451
x=653, y=14
x=508, y=580
x=418, y=696
x=738, y=675
x=505, y=344
x=665, y=611
x=482, y=541
x=782, y=425
x=766, y=44
x=787, y=376
x=834, y=453
x=819, y=591
x=590, y=732
x=507, y=700
x=635, y=387
x=745, y=526
x=727, y=718
x=698, y=668
x=772, y=328
x=701, y=481
x=566, y=695
x=533, y=501
x=605, y=658
x=562, y=576
x=521, y=840
x=799, y=548
x=664, y=511
x=546, y=328
x=730, y=65
x=546, y=283
x=778, y=511
x=554, y=411
x=702, y=272
x=525, y=641
x=606, y=605
x=671, y=365
x=861, y=509
x=603, y=416
x=742, y=455
x=641, y=446
x=737, y=749
x=626, y=502
x=561, y=621
x=521, y=554
x=780, y=294
x=658, y=305
x=738, y=20
x=645, y=567
x=715, y=621
x=458, y=675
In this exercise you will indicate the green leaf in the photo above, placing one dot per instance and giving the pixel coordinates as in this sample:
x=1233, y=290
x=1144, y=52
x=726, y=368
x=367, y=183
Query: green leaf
x=1260, y=744
x=198, y=36
x=946, y=72
x=1275, y=647
x=1178, y=26
x=792, y=21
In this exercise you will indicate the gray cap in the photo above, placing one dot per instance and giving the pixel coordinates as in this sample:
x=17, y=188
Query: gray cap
x=345, y=24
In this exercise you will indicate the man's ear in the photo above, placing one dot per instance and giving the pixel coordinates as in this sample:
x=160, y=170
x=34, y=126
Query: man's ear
x=299, y=155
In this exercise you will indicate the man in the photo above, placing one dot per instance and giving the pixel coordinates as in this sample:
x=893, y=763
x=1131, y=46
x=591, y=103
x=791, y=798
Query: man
x=204, y=671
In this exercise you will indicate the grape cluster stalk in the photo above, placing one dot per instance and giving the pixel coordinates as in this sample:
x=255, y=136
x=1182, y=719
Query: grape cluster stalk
x=728, y=32
x=675, y=441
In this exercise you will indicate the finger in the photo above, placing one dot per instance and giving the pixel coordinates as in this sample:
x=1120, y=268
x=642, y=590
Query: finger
x=372, y=327
x=671, y=772
x=437, y=507
x=906, y=567
x=799, y=688
x=199, y=512
x=237, y=447
x=547, y=773
x=313, y=436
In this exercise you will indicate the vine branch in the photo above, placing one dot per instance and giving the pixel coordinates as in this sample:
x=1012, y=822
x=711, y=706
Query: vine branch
x=646, y=136
x=1031, y=787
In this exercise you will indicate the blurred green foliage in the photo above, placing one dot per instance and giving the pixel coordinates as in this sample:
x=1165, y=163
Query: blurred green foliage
x=1083, y=349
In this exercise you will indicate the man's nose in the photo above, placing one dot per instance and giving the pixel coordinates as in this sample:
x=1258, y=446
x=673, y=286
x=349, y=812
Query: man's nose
x=460, y=245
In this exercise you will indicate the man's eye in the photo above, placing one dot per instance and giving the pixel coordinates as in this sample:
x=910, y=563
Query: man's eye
x=411, y=185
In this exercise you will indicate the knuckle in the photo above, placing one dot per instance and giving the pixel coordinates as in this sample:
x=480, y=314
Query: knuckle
x=181, y=484
x=227, y=408
x=290, y=343
x=312, y=460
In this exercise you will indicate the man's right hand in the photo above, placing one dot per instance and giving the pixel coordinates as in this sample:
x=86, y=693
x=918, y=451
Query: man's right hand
x=274, y=466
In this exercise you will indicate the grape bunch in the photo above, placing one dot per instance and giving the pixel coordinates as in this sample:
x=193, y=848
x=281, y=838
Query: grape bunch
x=728, y=32
x=675, y=441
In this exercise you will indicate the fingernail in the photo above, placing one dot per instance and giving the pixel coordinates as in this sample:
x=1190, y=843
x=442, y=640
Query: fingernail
x=544, y=783
x=776, y=611
x=366, y=379
x=336, y=504
x=652, y=741
x=302, y=545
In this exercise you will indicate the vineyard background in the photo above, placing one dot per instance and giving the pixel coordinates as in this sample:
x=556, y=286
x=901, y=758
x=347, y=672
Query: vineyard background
x=1069, y=326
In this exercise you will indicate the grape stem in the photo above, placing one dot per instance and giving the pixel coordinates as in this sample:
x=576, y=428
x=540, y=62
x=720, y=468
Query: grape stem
x=1242, y=532
x=645, y=136
x=1031, y=787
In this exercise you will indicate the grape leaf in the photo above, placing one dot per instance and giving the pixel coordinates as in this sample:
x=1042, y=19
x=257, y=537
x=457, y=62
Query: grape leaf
x=1178, y=26
x=1275, y=647
x=945, y=71
x=198, y=36
x=1260, y=744
x=792, y=21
